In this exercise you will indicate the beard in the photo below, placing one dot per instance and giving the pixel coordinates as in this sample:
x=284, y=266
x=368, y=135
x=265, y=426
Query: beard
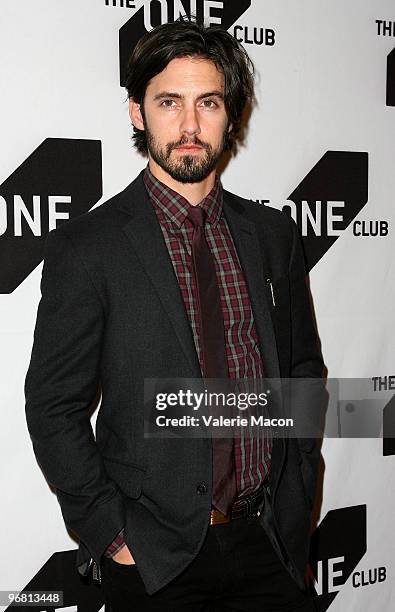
x=187, y=168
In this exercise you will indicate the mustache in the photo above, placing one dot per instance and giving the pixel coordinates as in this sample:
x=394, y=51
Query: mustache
x=184, y=140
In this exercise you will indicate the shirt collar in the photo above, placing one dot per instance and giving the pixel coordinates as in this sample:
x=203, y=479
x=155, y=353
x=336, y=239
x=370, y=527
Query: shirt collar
x=176, y=207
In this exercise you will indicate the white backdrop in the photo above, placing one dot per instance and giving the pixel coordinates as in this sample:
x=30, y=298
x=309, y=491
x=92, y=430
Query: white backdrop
x=320, y=87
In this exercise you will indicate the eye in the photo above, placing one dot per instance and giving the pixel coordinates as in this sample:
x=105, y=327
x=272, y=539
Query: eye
x=167, y=102
x=209, y=103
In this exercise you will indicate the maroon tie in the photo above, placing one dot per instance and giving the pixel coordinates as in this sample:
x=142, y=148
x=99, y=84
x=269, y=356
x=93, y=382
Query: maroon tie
x=215, y=365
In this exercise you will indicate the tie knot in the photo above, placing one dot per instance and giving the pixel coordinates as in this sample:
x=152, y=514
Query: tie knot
x=197, y=215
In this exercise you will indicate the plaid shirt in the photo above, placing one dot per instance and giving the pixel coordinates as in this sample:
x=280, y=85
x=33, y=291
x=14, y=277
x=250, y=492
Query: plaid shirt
x=252, y=451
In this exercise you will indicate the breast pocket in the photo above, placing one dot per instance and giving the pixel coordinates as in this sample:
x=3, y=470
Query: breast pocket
x=128, y=477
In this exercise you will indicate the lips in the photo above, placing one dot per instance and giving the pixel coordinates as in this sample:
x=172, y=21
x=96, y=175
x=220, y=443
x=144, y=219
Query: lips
x=188, y=148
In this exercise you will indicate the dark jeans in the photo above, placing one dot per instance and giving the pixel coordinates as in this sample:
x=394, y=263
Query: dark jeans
x=236, y=569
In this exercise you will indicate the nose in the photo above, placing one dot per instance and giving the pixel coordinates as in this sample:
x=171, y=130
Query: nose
x=190, y=122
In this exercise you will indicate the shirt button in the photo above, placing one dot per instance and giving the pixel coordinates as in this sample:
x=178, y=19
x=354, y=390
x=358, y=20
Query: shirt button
x=201, y=488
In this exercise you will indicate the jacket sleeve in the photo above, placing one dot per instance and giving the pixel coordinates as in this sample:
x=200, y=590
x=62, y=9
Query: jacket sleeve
x=61, y=383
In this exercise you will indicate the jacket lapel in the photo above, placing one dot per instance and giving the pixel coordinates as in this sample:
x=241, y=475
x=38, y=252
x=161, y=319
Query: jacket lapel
x=254, y=266
x=146, y=238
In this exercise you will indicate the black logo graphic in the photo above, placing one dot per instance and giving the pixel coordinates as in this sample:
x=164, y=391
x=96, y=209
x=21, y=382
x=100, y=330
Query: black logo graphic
x=60, y=574
x=225, y=12
x=60, y=180
x=337, y=546
x=389, y=428
x=390, y=100
x=328, y=199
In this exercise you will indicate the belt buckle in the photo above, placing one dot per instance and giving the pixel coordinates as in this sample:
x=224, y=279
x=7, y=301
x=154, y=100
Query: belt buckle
x=218, y=518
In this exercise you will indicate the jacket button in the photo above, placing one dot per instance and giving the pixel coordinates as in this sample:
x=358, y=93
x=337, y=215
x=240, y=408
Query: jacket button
x=201, y=488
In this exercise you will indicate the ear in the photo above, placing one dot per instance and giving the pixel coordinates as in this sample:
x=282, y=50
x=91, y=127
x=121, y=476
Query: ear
x=230, y=127
x=135, y=114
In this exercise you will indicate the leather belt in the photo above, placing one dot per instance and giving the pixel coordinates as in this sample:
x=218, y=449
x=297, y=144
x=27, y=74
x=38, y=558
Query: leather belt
x=242, y=508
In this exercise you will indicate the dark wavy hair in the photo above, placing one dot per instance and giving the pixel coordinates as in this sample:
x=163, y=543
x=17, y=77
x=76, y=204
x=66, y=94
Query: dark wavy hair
x=188, y=38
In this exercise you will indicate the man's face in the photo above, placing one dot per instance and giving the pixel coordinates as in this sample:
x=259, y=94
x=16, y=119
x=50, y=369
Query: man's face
x=184, y=118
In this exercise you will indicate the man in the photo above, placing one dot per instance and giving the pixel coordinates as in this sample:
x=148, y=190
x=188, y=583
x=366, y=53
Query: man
x=176, y=277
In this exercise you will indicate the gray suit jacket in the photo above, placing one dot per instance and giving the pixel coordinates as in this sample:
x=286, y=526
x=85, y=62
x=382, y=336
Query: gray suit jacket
x=111, y=314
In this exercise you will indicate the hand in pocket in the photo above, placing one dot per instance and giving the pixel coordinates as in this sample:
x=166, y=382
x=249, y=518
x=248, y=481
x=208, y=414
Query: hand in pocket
x=124, y=556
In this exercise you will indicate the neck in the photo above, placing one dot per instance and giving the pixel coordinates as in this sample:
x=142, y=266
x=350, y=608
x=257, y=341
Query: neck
x=193, y=192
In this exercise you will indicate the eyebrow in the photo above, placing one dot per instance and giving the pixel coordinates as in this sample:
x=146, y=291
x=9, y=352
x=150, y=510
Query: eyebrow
x=170, y=94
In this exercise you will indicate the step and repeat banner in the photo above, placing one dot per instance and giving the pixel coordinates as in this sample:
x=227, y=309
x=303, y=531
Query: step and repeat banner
x=321, y=141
